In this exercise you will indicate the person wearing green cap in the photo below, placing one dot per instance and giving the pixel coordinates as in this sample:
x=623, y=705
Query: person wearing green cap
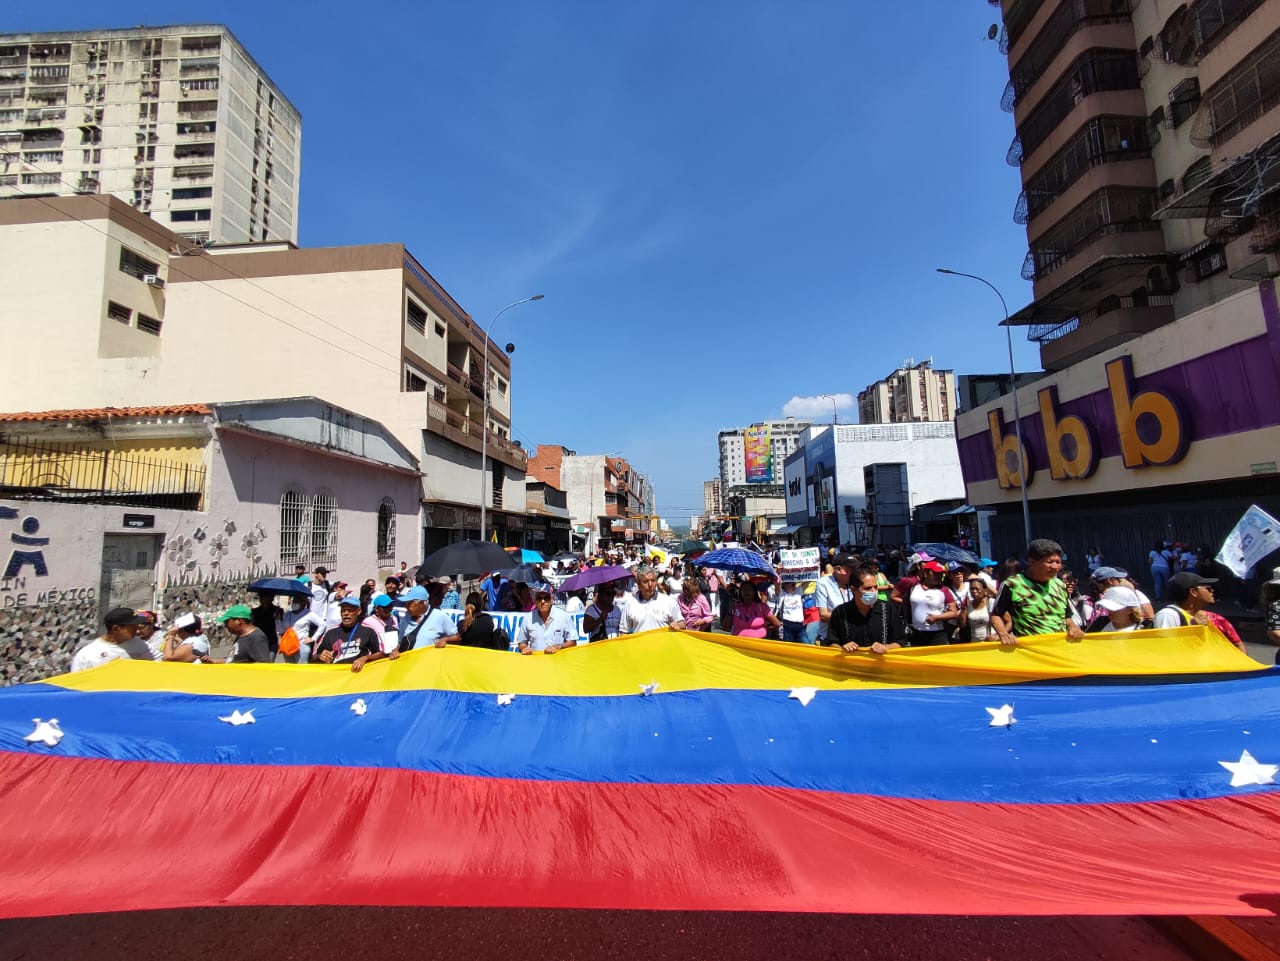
x=251, y=645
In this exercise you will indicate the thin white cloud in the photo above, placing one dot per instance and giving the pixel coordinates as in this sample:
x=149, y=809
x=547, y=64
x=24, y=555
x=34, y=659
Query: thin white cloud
x=819, y=407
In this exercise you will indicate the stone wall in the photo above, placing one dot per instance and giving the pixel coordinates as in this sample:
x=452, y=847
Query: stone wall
x=38, y=642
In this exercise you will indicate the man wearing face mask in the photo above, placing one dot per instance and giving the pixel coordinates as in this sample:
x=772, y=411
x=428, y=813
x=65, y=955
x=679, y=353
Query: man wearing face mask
x=866, y=622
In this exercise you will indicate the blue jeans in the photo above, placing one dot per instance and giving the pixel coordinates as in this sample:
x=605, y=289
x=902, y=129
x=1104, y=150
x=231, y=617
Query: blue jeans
x=811, y=632
x=794, y=631
x=1159, y=578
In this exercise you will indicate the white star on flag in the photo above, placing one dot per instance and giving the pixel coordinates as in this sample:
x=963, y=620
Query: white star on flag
x=358, y=707
x=236, y=718
x=650, y=688
x=504, y=700
x=803, y=694
x=47, y=732
x=1248, y=771
x=1002, y=716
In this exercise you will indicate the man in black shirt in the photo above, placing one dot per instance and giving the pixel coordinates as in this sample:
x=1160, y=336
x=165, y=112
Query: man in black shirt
x=350, y=642
x=866, y=622
x=252, y=646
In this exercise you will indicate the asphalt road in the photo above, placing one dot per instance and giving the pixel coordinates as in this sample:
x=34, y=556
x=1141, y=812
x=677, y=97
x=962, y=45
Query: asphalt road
x=390, y=934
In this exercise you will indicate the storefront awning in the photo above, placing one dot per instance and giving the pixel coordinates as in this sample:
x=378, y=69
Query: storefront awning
x=789, y=529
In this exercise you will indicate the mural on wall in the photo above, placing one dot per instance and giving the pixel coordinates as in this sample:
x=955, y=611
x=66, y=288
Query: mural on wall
x=201, y=556
x=27, y=560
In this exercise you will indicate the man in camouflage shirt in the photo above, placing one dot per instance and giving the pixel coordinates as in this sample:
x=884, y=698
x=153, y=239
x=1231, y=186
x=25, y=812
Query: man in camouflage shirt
x=1035, y=601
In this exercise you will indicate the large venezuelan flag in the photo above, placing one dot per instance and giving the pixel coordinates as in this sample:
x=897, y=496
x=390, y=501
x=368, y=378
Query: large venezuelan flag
x=888, y=793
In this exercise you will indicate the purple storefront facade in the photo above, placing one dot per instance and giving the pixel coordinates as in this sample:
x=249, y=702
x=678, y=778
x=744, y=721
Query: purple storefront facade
x=1167, y=436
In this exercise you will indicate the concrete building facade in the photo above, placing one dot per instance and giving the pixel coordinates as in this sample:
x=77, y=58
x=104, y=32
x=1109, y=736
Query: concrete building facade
x=783, y=437
x=180, y=122
x=125, y=321
x=913, y=392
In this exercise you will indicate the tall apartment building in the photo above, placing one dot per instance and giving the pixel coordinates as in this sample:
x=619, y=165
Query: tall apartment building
x=1148, y=138
x=914, y=392
x=778, y=437
x=711, y=504
x=179, y=122
x=1146, y=142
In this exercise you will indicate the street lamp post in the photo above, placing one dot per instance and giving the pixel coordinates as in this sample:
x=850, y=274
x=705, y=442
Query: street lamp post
x=1013, y=386
x=484, y=419
x=835, y=417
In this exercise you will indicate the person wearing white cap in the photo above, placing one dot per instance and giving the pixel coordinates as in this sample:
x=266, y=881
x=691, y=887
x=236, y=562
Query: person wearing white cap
x=1123, y=608
x=184, y=641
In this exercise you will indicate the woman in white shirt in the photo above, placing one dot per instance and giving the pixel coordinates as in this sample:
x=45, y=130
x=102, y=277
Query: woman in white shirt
x=977, y=607
x=930, y=609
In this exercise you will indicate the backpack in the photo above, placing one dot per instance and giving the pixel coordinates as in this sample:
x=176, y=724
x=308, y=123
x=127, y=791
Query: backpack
x=289, y=642
x=501, y=639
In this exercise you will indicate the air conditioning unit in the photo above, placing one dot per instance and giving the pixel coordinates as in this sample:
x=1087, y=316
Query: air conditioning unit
x=153, y=280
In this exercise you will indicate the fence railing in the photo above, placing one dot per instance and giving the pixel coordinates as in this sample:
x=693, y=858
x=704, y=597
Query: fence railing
x=44, y=470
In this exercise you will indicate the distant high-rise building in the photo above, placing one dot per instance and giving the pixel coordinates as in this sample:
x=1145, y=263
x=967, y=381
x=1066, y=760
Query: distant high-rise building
x=178, y=121
x=765, y=444
x=711, y=498
x=913, y=392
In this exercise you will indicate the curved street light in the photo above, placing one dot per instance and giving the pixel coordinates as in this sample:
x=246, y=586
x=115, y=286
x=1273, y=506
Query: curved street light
x=484, y=421
x=1013, y=386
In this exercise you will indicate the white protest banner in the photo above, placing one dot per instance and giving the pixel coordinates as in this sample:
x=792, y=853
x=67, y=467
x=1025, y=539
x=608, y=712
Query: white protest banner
x=1253, y=538
x=798, y=564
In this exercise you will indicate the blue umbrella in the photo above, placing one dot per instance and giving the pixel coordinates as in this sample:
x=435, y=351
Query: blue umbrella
x=736, y=559
x=948, y=553
x=281, y=585
x=523, y=555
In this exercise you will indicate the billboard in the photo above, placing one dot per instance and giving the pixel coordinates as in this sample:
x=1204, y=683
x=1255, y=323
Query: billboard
x=757, y=450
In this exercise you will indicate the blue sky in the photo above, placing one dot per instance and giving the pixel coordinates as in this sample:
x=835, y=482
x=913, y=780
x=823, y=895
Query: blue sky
x=729, y=204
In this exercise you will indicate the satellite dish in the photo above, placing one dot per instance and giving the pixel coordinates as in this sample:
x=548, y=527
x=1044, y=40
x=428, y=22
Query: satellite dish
x=993, y=31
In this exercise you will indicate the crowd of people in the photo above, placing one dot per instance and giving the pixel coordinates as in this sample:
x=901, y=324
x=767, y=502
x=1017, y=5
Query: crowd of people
x=853, y=605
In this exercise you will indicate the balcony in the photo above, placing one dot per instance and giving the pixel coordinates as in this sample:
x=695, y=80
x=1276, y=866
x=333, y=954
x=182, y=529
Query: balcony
x=1191, y=33
x=1101, y=141
x=1097, y=71
x=194, y=172
x=1070, y=17
x=1240, y=98
x=1114, y=321
x=1102, y=221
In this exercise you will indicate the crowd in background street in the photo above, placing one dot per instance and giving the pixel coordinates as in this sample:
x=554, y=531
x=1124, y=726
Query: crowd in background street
x=872, y=601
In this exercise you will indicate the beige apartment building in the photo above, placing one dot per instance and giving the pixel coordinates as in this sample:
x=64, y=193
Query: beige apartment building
x=179, y=122
x=914, y=392
x=119, y=311
x=1148, y=139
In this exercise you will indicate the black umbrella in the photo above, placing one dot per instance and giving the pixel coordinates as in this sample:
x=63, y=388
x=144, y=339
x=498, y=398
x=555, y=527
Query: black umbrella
x=280, y=585
x=948, y=553
x=467, y=558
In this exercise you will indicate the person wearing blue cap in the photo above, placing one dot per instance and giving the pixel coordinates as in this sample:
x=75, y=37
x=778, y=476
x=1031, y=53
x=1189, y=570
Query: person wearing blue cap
x=426, y=624
x=350, y=642
x=382, y=621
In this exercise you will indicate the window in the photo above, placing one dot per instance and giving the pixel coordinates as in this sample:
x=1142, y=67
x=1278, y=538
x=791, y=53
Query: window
x=1184, y=101
x=387, y=531
x=41, y=179
x=414, y=382
x=502, y=387
x=192, y=193
x=148, y=325
x=417, y=317
x=440, y=329
x=179, y=216
x=324, y=529
x=119, y=312
x=136, y=265
x=295, y=509
x=185, y=150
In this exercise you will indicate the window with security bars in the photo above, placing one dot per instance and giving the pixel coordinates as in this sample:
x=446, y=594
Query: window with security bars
x=324, y=529
x=416, y=316
x=295, y=527
x=135, y=265
x=387, y=532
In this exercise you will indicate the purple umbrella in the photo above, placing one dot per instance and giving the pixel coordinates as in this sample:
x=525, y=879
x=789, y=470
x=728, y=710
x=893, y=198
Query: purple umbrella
x=593, y=576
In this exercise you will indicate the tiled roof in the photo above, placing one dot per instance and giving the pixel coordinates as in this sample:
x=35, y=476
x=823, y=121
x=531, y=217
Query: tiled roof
x=102, y=413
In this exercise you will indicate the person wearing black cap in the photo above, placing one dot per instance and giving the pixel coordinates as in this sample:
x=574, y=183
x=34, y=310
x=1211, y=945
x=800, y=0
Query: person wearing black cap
x=119, y=642
x=1191, y=594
